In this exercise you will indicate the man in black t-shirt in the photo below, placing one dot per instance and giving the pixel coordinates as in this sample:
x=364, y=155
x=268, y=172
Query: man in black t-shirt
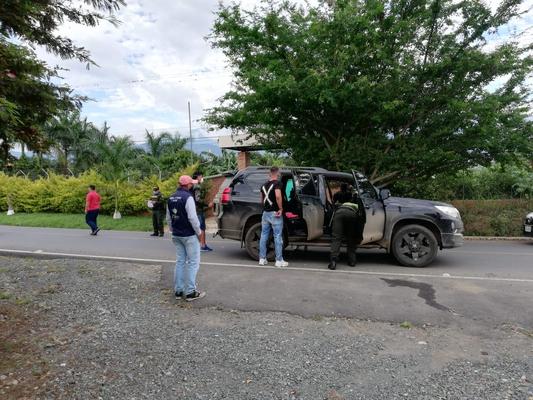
x=272, y=219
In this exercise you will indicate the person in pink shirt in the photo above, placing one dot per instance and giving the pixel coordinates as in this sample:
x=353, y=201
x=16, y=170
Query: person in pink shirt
x=92, y=208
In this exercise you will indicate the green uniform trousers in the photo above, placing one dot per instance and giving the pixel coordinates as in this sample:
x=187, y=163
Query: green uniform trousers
x=346, y=228
x=158, y=216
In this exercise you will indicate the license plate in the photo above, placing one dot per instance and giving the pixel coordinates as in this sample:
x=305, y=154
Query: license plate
x=528, y=228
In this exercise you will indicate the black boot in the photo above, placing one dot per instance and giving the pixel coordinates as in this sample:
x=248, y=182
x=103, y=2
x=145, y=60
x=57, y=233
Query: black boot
x=352, y=260
x=332, y=264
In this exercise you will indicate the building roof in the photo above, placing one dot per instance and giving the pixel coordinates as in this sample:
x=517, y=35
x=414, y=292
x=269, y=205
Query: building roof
x=240, y=142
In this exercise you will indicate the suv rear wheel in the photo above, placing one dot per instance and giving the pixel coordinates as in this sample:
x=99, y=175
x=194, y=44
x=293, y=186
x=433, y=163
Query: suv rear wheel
x=414, y=246
x=251, y=243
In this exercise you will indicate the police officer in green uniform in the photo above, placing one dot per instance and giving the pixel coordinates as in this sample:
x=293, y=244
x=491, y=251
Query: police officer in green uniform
x=348, y=225
x=158, y=212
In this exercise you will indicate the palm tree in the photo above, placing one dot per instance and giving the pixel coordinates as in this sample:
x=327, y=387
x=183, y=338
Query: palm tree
x=157, y=143
x=88, y=152
x=174, y=144
x=70, y=136
x=214, y=164
x=117, y=154
x=164, y=151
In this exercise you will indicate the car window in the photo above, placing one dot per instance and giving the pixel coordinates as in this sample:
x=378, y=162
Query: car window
x=367, y=191
x=334, y=189
x=255, y=180
x=307, y=184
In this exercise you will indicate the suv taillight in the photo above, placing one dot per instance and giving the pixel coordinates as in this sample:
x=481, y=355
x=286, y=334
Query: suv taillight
x=226, y=196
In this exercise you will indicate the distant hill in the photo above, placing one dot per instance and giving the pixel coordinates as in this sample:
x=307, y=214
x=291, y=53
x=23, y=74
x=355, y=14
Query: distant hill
x=200, y=143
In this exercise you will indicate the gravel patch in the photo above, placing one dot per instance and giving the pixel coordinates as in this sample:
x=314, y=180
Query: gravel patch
x=108, y=330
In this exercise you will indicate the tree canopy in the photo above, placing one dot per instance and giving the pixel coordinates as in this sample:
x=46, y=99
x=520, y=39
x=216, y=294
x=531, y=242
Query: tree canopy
x=31, y=92
x=394, y=88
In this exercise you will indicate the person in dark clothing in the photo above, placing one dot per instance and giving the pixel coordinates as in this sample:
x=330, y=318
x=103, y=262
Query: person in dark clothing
x=348, y=226
x=343, y=196
x=272, y=219
x=158, y=212
x=199, y=195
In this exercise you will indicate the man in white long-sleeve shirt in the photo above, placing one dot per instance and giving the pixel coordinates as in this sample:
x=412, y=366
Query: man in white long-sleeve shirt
x=185, y=228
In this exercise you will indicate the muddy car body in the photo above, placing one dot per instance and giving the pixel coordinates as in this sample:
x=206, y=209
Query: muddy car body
x=412, y=230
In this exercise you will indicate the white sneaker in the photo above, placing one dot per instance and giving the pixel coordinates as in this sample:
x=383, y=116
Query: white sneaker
x=263, y=261
x=282, y=263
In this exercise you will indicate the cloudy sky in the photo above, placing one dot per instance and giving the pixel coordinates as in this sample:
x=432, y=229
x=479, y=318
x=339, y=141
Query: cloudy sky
x=153, y=63
x=148, y=67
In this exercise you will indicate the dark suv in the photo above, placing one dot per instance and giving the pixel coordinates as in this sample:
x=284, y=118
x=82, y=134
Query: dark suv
x=412, y=230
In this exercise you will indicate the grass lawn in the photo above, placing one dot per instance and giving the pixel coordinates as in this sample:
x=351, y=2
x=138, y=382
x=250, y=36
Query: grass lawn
x=106, y=222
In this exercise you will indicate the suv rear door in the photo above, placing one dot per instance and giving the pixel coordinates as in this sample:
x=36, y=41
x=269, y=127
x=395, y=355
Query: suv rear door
x=308, y=189
x=244, y=200
x=375, y=211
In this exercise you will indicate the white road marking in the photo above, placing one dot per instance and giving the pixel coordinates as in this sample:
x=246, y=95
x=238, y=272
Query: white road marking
x=489, y=253
x=255, y=266
x=118, y=235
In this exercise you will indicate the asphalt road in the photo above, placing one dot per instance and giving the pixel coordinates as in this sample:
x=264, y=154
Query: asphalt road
x=483, y=284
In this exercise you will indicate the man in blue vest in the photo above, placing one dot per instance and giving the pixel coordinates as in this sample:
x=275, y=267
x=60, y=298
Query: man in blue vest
x=185, y=228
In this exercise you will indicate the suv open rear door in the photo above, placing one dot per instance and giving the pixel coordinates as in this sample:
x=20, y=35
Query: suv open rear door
x=307, y=191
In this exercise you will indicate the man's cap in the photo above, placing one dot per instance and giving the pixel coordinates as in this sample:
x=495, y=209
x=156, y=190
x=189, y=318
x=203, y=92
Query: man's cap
x=186, y=180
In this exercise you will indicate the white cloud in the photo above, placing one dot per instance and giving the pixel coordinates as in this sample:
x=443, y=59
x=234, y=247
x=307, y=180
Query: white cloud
x=152, y=64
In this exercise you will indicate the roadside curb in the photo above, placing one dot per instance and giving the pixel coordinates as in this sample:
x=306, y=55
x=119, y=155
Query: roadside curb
x=507, y=238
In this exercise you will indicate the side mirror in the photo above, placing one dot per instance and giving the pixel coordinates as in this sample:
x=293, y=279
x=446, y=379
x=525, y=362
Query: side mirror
x=384, y=194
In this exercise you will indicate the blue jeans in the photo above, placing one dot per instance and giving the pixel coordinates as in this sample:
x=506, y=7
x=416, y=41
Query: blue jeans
x=90, y=219
x=187, y=263
x=201, y=218
x=269, y=222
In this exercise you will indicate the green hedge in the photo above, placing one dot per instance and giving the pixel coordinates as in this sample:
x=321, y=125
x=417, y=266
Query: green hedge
x=59, y=194
x=494, y=217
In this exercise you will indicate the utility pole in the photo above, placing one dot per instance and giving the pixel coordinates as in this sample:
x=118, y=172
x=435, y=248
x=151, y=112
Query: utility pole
x=190, y=129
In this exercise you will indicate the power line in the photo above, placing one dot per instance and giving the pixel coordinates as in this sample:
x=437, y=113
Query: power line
x=142, y=81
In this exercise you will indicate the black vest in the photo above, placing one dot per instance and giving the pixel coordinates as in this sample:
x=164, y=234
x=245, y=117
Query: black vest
x=180, y=220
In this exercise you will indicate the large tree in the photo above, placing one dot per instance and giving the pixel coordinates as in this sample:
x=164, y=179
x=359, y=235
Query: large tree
x=394, y=88
x=29, y=90
x=28, y=98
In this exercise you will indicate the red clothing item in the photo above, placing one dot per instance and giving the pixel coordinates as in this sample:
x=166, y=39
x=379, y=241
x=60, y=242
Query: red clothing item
x=92, y=201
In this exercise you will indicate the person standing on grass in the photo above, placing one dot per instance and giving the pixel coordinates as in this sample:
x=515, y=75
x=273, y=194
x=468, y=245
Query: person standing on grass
x=272, y=219
x=201, y=208
x=158, y=212
x=185, y=228
x=92, y=208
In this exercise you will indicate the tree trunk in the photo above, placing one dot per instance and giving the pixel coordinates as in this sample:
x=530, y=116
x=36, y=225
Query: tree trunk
x=116, y=214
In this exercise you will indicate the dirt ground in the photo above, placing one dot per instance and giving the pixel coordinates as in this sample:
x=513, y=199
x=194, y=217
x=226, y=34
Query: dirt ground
x=100, y=330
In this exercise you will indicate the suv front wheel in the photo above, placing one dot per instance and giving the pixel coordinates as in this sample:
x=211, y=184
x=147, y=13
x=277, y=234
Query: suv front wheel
x=414, y=246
